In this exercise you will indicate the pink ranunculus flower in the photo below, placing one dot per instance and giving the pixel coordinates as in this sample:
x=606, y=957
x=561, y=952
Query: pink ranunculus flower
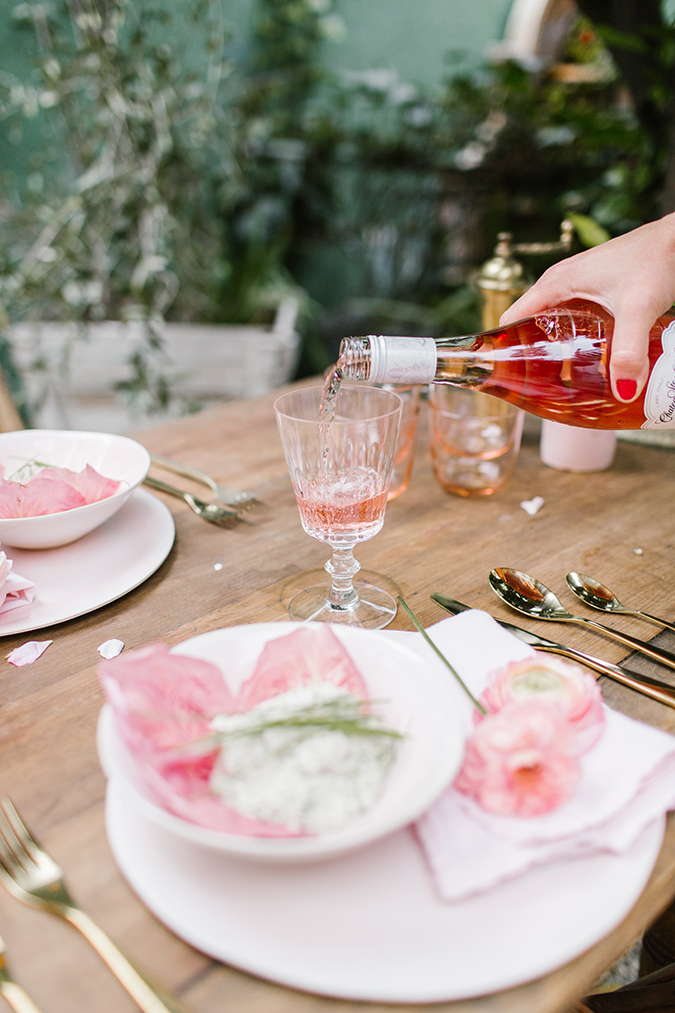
x=568, y=687
x=521, y=760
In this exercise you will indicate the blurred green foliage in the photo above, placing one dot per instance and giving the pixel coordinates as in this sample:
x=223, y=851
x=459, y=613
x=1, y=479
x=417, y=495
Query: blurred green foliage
x=208, y=188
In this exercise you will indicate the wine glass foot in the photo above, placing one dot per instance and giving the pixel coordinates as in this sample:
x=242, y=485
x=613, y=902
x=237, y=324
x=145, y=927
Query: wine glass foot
x=374, y=609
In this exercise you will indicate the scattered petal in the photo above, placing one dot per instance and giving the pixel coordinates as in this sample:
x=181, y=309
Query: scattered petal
x=28, y=652
x=217, y=566
x=637, y=552
x=110, y=648
x=532, y=506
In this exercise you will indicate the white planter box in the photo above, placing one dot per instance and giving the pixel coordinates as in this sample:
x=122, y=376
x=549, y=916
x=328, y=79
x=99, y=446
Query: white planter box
x=205, y=363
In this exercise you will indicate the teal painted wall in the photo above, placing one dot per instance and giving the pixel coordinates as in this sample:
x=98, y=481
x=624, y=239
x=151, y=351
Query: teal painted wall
x=413, y=36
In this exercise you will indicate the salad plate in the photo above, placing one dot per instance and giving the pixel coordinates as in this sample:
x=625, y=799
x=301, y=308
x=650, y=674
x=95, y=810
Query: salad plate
x=25, y=453
x=95, y=570
x=368, y=926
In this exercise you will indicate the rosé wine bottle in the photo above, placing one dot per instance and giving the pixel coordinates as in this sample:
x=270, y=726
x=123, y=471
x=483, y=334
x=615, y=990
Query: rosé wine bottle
x=553, y=365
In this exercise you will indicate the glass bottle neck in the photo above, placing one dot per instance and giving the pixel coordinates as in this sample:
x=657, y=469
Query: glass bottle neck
x=404, y=360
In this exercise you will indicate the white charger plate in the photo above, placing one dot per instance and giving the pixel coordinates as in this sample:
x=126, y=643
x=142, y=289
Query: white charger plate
x=369, y=926
x=95, y=570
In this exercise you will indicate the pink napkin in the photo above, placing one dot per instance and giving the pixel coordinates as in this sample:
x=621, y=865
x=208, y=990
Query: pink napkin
x=628, y=780
x=15, y=591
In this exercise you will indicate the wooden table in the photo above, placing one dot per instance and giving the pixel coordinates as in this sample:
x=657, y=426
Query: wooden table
x=618, y=526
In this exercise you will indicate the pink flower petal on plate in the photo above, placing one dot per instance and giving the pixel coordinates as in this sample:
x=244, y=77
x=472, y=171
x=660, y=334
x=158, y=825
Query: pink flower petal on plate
x=162, y=700
x=92, y=486
x=298, y=659
x=110, y=648
x=28, y=652
x=38, y=497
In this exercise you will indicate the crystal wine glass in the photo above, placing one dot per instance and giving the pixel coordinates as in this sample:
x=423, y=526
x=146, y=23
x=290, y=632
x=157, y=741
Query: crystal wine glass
x=341, y=469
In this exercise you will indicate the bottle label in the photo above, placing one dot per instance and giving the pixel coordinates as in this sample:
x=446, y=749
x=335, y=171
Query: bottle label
x=659, y=404
x=401, y=360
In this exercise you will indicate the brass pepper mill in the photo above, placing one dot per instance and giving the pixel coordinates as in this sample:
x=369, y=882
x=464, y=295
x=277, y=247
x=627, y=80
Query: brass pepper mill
x=502, y=278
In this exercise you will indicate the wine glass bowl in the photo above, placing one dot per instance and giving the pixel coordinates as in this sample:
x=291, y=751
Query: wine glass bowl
x=341, y=469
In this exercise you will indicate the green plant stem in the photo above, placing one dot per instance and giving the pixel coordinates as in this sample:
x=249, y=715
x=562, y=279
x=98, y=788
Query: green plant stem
x=418, y=625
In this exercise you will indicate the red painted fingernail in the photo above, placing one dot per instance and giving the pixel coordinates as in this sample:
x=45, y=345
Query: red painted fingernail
x=626, y=389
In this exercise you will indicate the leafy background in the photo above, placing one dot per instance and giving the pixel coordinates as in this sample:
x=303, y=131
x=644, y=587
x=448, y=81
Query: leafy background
x=199, y=180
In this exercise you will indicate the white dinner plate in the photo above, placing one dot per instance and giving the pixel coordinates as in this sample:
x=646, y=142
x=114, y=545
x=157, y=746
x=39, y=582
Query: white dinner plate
x=369, y=926
x=95, y=570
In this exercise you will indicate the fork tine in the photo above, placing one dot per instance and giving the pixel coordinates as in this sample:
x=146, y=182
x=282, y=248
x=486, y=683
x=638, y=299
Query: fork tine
x=15, y=834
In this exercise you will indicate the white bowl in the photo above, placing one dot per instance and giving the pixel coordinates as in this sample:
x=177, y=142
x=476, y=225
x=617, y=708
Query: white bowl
x=416, y=700
x=116, y=457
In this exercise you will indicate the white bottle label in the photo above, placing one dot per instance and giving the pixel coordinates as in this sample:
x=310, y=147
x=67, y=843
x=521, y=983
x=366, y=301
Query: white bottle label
x=659, y=404
x=401, y=360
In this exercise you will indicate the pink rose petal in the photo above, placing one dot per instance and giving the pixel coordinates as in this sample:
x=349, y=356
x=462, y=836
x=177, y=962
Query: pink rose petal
x=163, y=700
x=91, y=486
x=110, y=648
x=299, y=659
x=38, y=497
x=27, y=653
x=15, y=591
x=53, y=490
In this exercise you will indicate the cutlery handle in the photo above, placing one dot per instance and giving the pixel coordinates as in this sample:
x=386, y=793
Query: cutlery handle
x=655, y=619
x=138, y=985
x=660, y=691
x=19, y=1000
x=170, y=490
x=655, y=653
x=183, y=469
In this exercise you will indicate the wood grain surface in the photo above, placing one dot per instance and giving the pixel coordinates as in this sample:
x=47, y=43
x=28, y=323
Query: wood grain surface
x=431, y=541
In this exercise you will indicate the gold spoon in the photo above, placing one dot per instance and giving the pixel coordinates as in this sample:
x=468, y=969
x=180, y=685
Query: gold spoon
x=595, y=594
x=527, y=595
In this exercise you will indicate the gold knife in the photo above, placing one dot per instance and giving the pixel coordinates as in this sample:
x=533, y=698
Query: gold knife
x=653, y=688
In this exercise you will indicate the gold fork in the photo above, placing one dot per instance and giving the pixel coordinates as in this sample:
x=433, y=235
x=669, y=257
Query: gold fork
x=208, y=511
x=32, y=876
x=223, y=494
x=13, y=993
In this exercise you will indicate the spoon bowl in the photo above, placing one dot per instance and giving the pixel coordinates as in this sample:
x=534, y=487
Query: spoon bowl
x=529, y=596
x=591, y=592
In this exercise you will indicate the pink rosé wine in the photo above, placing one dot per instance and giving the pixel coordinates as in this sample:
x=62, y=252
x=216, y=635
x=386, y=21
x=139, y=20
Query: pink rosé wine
x=521, y=760
x=574, y=691
x=349, y=506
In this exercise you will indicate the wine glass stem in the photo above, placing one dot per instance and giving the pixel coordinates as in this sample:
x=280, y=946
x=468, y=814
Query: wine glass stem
x=342, y=569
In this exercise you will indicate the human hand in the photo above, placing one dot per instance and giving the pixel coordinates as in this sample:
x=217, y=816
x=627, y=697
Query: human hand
x=632, y=276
